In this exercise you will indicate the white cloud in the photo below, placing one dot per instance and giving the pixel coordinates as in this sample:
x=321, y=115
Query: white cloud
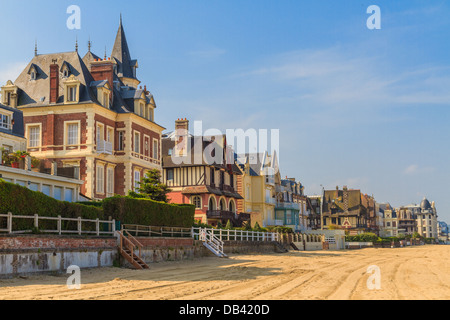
x=350, y=77
x=416, y=169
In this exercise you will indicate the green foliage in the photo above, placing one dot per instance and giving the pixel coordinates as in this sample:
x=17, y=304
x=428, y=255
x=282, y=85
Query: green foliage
x=23, y=202
x=229, y=226
x=152, y=188
x=364, y=237
x=147, y=212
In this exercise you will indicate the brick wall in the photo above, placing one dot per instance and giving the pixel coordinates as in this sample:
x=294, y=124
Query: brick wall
x=54, y=242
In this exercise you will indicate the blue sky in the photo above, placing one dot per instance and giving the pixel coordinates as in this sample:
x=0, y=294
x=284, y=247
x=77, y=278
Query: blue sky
x=364, y=108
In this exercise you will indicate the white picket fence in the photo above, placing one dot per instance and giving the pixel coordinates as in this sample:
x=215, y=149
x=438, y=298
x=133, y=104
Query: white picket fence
x=236, y=235
x=59, y=230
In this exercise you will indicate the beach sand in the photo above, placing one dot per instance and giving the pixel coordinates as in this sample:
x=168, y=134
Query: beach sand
x=406, y=273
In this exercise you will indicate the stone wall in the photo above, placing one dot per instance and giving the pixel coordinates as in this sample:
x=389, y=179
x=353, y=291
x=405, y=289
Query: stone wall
x=30, y=254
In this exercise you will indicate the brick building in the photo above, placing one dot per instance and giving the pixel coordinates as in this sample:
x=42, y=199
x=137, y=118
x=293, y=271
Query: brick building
x=89, y=113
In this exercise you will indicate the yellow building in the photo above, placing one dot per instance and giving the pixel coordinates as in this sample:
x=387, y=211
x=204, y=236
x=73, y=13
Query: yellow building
x=260, y=175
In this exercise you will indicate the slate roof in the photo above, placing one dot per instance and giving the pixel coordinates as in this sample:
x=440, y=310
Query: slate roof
x=18, y=126
x=168, y=143
x=36, y=93
x=121, y=54
x=336, y=201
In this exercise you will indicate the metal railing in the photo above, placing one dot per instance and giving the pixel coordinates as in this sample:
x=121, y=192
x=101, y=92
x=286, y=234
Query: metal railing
x=59, y=230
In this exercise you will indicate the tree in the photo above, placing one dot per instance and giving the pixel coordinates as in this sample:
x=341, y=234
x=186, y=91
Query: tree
x=228, y=225
x=152, y=188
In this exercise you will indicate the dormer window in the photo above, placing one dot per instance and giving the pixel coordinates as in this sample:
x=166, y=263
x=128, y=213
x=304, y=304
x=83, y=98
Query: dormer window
x=33, y=72
x=9, y=94
x=71, y=90
x=106, y=99
x=72, y=94
x=104, y=91
x=65, y=70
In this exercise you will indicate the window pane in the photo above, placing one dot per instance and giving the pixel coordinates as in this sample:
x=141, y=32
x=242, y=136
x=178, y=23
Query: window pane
x=72, y=134
x=46, y=190
x=57, y=193
x=68, y=195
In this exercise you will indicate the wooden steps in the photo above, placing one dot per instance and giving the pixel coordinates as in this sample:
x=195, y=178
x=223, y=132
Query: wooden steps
x=128, y=246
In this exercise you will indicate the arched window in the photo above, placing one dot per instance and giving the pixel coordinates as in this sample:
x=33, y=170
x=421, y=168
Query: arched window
x=197, y=201
x=232, y=206
x=211, y=204
x=223, y=206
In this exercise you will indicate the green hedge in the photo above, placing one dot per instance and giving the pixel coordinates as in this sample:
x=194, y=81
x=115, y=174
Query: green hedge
x=21, y=201
x=148, y=212
x=364, y=237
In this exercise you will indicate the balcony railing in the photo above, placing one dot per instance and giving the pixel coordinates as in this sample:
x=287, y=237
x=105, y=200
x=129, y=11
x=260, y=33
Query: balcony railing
x=270, y=180
x=104, y=147
x=271, y=201
x=288, y=205
x=220, y=214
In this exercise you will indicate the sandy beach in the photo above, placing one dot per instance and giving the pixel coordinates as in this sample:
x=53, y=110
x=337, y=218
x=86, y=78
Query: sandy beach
x=406, y=273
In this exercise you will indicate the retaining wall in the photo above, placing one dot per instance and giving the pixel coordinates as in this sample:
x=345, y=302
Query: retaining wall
x=30, y=254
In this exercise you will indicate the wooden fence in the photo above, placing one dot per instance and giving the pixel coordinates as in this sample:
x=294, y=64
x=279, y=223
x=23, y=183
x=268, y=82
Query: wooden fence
x=151, y=231
x=111, y=224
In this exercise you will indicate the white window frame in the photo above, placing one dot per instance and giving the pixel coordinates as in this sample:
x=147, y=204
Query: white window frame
x=155, y=149
x=137, y=180
x=137, y=146
x=100, y=132
x=67, y=137
x=72, y=93
x=110, y=180
x=121, y=140
x=8, y=116
x=194, y=202
x=100, y=178
x=29, y=138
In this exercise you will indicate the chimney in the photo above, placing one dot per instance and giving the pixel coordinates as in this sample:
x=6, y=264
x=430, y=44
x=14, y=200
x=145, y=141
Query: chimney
x=181, y=136
x=54, y=82
x=103, y=70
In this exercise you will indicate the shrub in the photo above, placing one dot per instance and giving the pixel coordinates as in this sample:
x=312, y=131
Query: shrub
x=148, y=212
x=21, y=201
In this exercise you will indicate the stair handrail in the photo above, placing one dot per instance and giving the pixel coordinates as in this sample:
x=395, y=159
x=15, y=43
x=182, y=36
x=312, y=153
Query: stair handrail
x=127, y=243
x=215, y=242
x=134, y=241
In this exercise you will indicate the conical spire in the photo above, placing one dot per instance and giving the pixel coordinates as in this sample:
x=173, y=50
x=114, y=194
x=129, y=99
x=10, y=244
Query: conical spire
x=122, y=54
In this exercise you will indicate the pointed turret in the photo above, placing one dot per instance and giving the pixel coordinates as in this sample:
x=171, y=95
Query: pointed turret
x=126, y=67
